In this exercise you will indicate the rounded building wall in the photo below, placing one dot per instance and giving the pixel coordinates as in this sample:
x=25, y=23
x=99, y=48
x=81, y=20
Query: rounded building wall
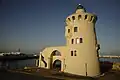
x=80, y=21
x=80, y=36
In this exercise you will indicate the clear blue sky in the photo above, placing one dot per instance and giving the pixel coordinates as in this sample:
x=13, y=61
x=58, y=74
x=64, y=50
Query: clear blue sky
x=34, y=24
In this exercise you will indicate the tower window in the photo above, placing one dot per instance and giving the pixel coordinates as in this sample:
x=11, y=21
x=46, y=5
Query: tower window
x=77, y=41
x=75, y=53
x=85, y=16
x=73, y=17
x=81, y=41
x=69, y=19
x=71, y=53
x=68, y=30
x=72, y=42
x=91, y=18
x=79, y=17
x=75, y=29
x=94, y=20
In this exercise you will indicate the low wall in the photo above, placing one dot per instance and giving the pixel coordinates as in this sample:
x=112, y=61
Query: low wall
x=116, y=66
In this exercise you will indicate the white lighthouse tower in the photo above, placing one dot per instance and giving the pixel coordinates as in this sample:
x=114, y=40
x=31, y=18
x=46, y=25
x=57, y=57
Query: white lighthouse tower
x=81, y=41
x=80, y=54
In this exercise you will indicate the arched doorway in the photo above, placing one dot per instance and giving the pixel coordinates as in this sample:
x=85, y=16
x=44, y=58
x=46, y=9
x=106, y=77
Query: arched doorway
x=57, y=65
x=54, y=54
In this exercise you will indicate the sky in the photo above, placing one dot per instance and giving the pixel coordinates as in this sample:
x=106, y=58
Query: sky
x=32, y=25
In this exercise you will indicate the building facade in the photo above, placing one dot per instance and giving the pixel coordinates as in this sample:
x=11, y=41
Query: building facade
x=80, y=54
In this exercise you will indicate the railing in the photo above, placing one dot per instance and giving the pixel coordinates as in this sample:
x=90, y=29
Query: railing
x=108, y=56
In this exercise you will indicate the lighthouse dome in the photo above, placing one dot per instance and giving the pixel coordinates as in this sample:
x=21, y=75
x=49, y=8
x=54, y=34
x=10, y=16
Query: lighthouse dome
x=80, y=8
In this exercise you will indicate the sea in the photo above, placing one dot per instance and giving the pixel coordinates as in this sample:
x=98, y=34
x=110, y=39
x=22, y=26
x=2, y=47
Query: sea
x=18, y=64
x=32, y=63
x=110, y=59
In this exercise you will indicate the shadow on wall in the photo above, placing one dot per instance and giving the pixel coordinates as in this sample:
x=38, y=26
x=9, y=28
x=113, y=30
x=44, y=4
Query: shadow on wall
x=43, y=61
x=105, y=66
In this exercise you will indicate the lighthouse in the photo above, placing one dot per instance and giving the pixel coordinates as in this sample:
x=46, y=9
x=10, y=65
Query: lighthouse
x=80, y=53
x=81, y=40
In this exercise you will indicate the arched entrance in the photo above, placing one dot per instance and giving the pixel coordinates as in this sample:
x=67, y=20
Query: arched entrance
x=57, y=65
x=55, y=57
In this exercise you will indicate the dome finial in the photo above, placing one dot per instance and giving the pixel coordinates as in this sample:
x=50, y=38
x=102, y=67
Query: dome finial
x=80, y=7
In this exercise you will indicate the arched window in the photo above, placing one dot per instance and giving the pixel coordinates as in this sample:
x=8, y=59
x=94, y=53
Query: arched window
x=72, y=41
x=71, y=53
x=91, y=18
x=68, y=30
x=69, y=19
x=79, y=17
x=81, y=40
x=73, y=17
x=85, y=16
x=75, y=54
x=75, y=29
x=77, y=41
x=56, y=53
